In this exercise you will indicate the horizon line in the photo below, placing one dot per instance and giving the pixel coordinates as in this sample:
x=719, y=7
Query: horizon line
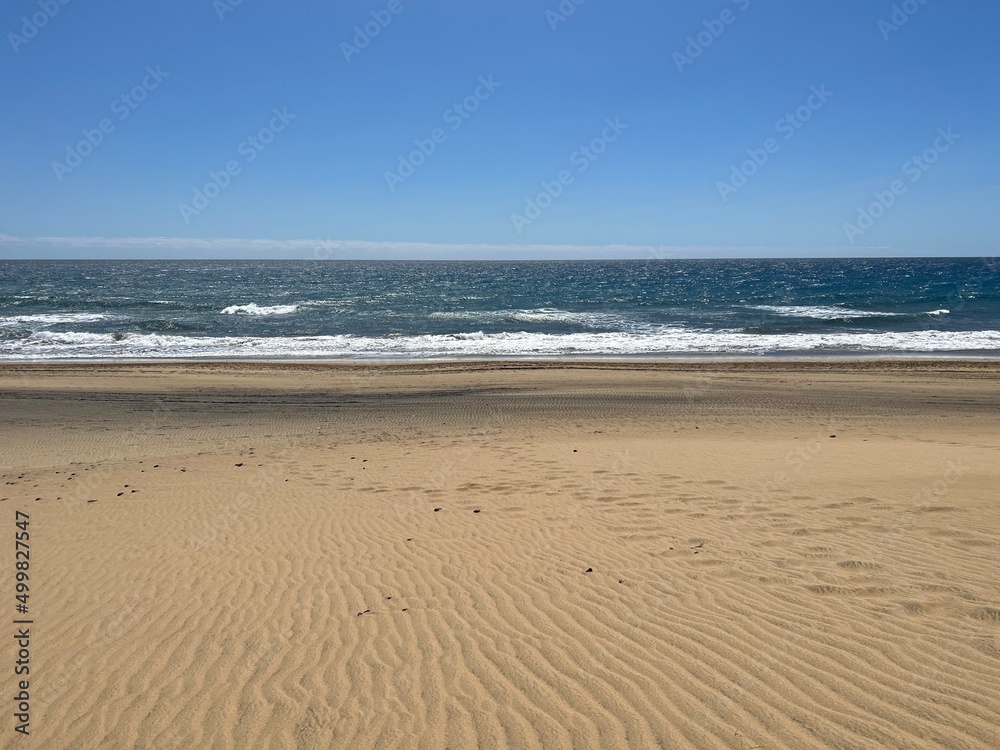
x=14, y=247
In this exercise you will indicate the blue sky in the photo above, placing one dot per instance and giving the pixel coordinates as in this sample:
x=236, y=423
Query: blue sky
x=527, y=164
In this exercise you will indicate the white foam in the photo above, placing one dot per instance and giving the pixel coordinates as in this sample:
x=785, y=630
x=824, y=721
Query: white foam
x=260, y=310
x=47, y=319
x=50, y=344
x=822, y=312
x=542, y=315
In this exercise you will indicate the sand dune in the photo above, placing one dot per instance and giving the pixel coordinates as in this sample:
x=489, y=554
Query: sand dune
x=509, y=555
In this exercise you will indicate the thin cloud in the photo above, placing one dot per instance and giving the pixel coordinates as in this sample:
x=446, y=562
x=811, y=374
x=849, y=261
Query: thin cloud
x=208, y=248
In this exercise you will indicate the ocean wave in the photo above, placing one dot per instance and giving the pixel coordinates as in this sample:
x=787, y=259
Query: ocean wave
x=157, y=325
x=54, y=345
x=48, y=319
x=824, y=312
x=252, y=308
x=595, y=320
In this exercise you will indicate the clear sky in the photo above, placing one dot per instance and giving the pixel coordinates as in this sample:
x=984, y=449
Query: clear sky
x=423, y=128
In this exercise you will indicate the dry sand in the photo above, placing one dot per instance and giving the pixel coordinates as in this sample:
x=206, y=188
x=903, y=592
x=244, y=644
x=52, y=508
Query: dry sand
x=671, y=555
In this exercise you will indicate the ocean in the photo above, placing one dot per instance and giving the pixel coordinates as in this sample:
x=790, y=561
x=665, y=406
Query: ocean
x=52, y=310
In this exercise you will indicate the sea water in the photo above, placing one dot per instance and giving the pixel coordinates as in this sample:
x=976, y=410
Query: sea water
x=444, y=309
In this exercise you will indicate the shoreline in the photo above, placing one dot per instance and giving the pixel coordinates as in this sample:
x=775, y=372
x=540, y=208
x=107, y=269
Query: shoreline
x=989, y=355
x=542, y=361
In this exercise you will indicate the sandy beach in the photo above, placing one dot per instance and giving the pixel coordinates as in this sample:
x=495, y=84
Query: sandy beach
x=715, y=554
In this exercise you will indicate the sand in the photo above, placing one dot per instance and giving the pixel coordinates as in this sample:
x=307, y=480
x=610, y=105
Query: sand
x=507, y=555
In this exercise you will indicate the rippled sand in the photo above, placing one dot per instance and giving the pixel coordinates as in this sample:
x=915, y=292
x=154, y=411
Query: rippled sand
x=664, y=556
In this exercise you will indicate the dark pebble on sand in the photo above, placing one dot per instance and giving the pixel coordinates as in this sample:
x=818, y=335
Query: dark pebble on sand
x=437, y=510
x=120, y=494
x=833, y=436
x=238, y=465
x=589, y=570
x=476, y=510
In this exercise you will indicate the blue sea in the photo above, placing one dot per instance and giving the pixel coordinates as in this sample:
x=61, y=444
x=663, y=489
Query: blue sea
x=429, y=310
